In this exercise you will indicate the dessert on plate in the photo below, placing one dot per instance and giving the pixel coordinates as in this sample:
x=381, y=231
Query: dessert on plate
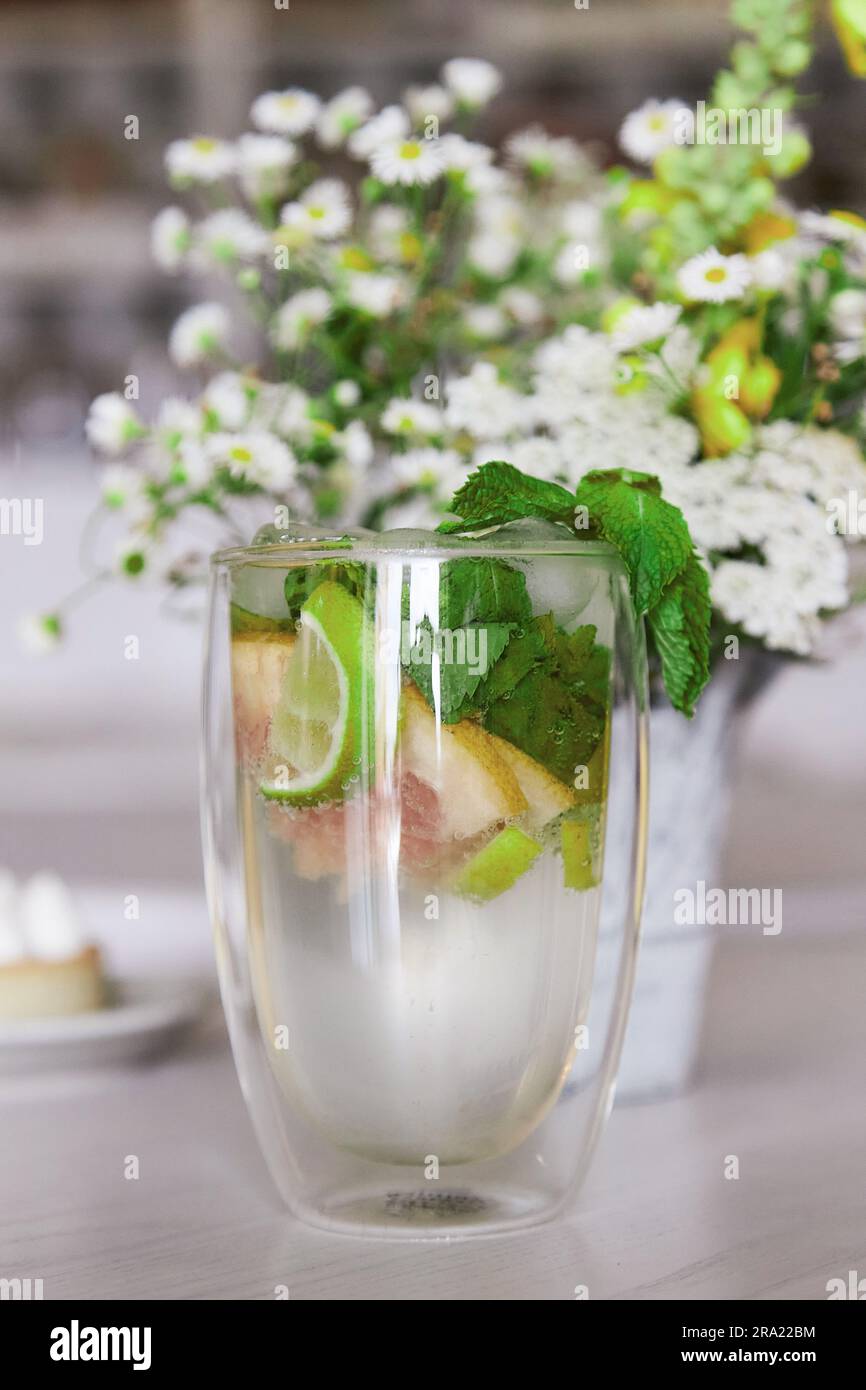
x=48, y=968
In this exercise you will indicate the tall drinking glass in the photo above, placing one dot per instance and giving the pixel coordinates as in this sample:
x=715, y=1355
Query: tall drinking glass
x=415, y=750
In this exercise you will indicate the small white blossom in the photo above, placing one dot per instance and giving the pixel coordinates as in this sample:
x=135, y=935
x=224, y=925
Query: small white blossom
x=264, y=162
x=227, y=397
x=228, y=236
x=341, y=115
x=112, y=424
x=356, y=445
x=654, y=127
x=202, y=160
x=524, y=307
x=199, y=333
x=347, y=393
x=460, y=155
x=439, y=470
x=848, y=320
x=482, y=404
x=323, y=210
x=424, y=103
x=291, y=112
x=473, y=81
x=407, y=162
x=170, y=238
x=544, y=155
x=388, y=224
x=713, y=278
x=296, y=319
x=391, y=123
x=492, y=254
x=486, y=321
x=644, y=324
x=409, y=417
x=121, y=486
x=257, y=456
x=39, y=633
x=377, y=295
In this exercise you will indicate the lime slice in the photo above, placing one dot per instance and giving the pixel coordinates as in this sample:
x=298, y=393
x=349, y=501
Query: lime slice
x=498, y=865
x=322, y=728
x=577, y=855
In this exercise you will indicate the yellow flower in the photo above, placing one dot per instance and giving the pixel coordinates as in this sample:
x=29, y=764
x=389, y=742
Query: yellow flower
x=849, y=20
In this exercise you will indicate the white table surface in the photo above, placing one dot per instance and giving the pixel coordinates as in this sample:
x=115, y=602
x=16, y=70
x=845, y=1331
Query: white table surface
x=780, y=1086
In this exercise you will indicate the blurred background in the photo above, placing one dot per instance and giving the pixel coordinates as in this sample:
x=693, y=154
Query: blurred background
x=99, y=753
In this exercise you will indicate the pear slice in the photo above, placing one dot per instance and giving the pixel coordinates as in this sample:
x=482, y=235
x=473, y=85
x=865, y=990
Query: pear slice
x=475, y=786
x=547, y=797
x=259, y=663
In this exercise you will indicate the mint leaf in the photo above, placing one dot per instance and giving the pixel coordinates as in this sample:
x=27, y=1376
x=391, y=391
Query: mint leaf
x=679, y=623
x=651, y=535
x=547, y=720
x=498, y=492
x=481, y=602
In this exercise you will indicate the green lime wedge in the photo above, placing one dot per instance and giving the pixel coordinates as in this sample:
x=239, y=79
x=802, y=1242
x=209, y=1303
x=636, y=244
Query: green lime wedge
x=322, y=728
x=244, y=621
x=577, y=855
x=497, y=866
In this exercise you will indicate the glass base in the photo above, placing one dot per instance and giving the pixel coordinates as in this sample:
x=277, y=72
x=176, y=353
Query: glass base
x=426, y=1211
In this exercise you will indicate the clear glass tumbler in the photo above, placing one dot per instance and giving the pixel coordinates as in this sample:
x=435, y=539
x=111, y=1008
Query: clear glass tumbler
x=415, y=748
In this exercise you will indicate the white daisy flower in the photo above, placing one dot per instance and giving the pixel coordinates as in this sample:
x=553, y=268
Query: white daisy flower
x=407, y=162
x=426, y=103
x=264, y=162
x=347, y=393
x=409, y=417
x=831, y=227
x=39, y=633
x=257, y=456
x=644, y=324
x=291, y=112
x=121, y=486
x=175, y=419
x=227, y=399
x=377, y=295
x=137, y=557
x=544, y=155
x=112, y=424
x=285, y=410
x=295, y=320
x=391, y=123
x=193, y=467
x=485, y=321
x=482, y=404
x=713, y=278
x=199, y=333
x=460, y=155
x=438, y=470
x=227, y=236
x=323, y=210
x=202, y=160
x=170, y=238
x=356, y=444
x=473, y=81
x=654, y=127
x=341, y=115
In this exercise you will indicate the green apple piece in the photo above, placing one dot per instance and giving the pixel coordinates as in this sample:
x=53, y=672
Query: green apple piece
x=577, y=855
x=497, y=866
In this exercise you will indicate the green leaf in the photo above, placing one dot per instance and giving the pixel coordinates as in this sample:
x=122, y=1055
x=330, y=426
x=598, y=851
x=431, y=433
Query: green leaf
x=498, y=492
x=303, y=579
x=680, y=623
x=651, y=535
x=547, y=720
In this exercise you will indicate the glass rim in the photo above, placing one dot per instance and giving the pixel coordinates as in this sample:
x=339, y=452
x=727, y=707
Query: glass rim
x=366, y=550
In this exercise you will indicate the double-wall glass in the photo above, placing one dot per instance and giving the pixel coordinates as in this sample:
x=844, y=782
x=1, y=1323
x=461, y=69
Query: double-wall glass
x=416, y=749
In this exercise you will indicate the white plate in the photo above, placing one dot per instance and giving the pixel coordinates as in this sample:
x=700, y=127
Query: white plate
x=145, y=1017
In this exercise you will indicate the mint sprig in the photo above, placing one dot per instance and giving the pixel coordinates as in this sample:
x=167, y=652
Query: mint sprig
x=668, y=582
